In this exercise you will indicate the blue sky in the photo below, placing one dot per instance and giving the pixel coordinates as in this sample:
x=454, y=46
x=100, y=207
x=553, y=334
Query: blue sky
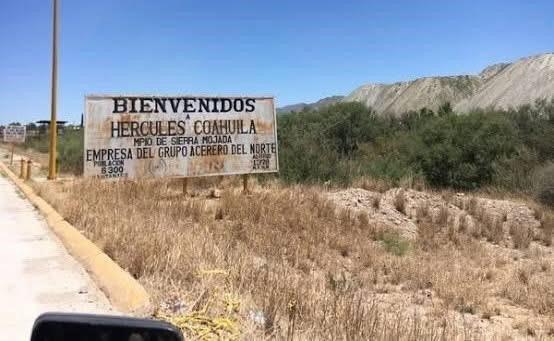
x=295, y=50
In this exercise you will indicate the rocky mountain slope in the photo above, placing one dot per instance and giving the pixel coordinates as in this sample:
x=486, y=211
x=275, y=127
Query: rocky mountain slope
x=501, y=85
x=313, y=106
x=429, y=92
x=519, y=83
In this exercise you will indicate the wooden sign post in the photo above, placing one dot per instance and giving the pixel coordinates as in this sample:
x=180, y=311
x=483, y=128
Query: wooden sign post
x=22, y=169
x=185, y=186
x=245, y=184
x=11, y=157
x=28, y=174
x=14, y=134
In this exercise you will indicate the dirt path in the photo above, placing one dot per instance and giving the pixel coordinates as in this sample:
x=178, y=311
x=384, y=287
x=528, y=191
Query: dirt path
x=36, y=272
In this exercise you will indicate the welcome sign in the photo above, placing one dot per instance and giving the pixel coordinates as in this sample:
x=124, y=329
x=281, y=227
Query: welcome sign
x=179, y=136
x=14, y=134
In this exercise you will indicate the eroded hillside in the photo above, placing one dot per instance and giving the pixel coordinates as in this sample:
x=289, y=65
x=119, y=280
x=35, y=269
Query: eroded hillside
x=502, y=86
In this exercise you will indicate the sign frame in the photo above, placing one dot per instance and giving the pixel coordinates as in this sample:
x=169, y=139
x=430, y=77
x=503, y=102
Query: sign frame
x=185, y=95
x=24, y=128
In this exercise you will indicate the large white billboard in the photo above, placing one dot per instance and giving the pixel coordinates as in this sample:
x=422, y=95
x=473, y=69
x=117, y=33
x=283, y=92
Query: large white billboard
x=179, y=136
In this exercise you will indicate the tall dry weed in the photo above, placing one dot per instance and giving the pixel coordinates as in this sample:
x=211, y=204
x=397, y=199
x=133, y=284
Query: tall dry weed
x=300, y=267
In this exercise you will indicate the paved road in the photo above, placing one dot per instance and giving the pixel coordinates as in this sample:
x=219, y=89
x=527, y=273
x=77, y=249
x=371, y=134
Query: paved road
x=36, y=272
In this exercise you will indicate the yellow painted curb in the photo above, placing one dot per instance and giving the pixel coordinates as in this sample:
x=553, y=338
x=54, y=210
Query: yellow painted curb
x=123, y=291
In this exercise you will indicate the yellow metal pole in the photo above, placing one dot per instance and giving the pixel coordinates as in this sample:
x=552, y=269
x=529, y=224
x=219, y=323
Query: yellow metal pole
x=11, y=158
x=28, y=174
x=53, y=119
x=22, y=169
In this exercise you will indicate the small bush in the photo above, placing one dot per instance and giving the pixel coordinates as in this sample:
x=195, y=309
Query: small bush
x=394, y=244
x=521, y=236
x=547, y=225
x=492, y=229
x=70, y=152
x=442, y=218
x=422, y=211
x=376, y=202
x=70, y=146
x=400, y=201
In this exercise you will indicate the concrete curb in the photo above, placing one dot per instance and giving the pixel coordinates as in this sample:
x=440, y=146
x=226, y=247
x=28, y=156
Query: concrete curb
x=124, y=292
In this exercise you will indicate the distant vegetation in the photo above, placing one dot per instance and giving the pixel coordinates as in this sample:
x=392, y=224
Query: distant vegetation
x=70, y=149
x=512, y=150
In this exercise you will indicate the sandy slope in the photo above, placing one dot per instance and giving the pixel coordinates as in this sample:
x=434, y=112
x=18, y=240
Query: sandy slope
x=520, y=83
x=501, y=85
x=428, y=92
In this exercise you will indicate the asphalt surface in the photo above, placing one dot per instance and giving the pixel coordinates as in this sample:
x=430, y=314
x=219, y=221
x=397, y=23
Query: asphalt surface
x=36, y=272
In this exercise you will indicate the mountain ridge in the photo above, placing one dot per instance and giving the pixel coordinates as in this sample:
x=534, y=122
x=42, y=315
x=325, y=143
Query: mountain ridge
x=500, y=85
x=313, y=106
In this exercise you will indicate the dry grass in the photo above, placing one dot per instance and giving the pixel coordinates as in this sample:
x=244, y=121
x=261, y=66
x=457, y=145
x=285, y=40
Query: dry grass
x=376, y=202
x=521, y=235
x=492, y=229
x=400, y=201
x=422, y=211
x=442, y=218
x=531, y=287
x=285, y=263
x=372, y=184
x=547, y=226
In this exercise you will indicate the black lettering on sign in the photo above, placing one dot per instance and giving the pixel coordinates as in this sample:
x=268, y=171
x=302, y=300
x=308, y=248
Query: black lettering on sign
x=174, y=103
x=145, y=105
x=109, y=154
x=188, y=105
x=182, y=105
x=147, y=128
x=209, y=150
x=133, y=105
x=262, y=154
x=226, y=105
x=144, y=153
x=119, y=105
x=159, y=105
x=263, y=148
x=238, y=149
x=260, y=164
x=250, y=104
x=172, y=152
x=181, y=140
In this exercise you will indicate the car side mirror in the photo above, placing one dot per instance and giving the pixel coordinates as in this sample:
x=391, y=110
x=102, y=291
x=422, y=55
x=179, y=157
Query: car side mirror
x=87, y=327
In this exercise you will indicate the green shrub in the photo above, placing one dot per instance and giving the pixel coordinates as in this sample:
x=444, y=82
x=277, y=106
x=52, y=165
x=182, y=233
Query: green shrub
x=509, y=149
x=347, y=140
x=69, y=149
x=460, y=151
x=514, y=173
x=394, y=243
x=38, y=143
x=70, y=152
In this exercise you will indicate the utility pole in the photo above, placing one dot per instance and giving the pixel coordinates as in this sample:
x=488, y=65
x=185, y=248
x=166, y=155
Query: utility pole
x=53, y=119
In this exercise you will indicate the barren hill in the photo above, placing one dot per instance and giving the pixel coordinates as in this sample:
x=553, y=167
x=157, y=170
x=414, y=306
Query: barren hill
x=428, y=92
x=520, y=83
x=316, y=105
x=502, y=85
